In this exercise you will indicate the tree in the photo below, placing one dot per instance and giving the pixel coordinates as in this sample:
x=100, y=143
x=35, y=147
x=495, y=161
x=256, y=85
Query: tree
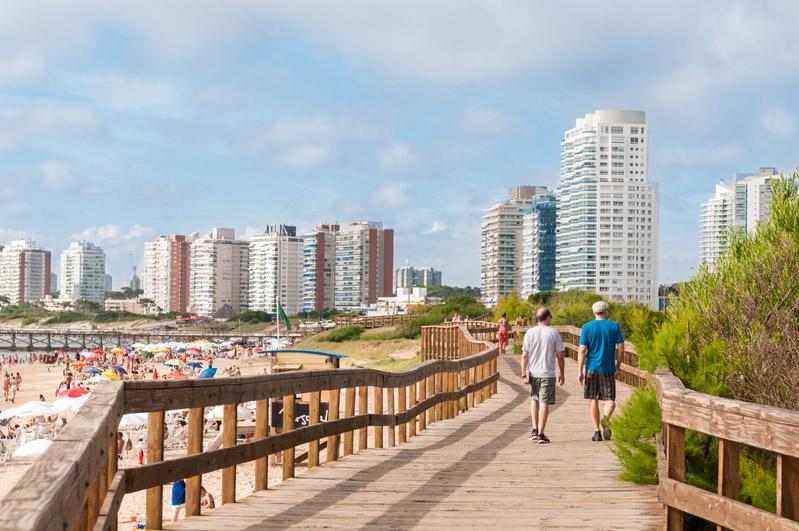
x=4, y=300
x=513, y=306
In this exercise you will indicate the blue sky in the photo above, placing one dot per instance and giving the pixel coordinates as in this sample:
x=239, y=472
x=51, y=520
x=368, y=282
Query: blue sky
x=119, y=122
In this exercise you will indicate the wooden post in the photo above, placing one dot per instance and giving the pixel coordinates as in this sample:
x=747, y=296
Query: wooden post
x=261, y=431
x=288, y=425
x=92, y=504
x=403, y=434
x=788, y=487
x=728, y=479
x=392, y=430
x=377, y=399
x=111, y=461
x=411, y=403
x=675, y=463
x=438, y=411
x=430, y=414
x=155, y=454
x=195, y=446
x=470, y=381
x=313, y=418
x=422, y=398
x=332, y=414
x=229, y=429
x=349, y=411
x=363, y=409
x=493, y=372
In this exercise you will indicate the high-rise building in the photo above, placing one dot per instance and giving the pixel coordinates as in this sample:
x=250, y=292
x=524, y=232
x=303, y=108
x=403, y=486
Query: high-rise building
x=133, y=282
x=501, y=244
x=408, y=276
x=24, y=272
x=276, y=260
x=743, y=203
x=607, y=224
x=364, y=265
x=166, y=272
x=82, y=272
x=538, y=245
x=219, y=274
x=319, y=268
x=53, y=281
x=109, y=283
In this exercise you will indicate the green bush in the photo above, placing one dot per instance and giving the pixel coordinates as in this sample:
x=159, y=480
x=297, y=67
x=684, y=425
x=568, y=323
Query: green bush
x=345, y=333
x=251, y=317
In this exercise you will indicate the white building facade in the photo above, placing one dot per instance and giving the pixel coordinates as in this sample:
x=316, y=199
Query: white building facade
x=501, y=244
x=82, y=273
x=364, y=265
x=219, y=274
x=607, y=222
x=276, y=266
x=408, y=276
x=24, y=272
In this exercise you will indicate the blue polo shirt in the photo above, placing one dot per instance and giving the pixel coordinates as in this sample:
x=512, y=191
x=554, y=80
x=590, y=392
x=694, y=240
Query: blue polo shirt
x=601, y=337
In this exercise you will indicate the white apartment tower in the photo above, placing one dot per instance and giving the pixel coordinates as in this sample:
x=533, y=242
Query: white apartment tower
x=82, y=272
x=219, y=274
x=501, y=244
x=319, y=268
x=24, y=272
x=364, y=265
x=166, y=272
x=607, y=222
x=743, y=203
x=276, y=260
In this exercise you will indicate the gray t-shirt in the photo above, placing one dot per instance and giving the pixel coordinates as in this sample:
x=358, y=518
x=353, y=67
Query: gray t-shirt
x=541, y=343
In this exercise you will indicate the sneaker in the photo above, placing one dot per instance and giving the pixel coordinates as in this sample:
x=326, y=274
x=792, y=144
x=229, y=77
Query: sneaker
x=597, y=436
x=533, y=435
x=606, y=433
x=543, y=439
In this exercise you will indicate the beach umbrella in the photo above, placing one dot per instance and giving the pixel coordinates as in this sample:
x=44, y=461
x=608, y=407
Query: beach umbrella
x=77, y=403
x=98, y=378
x=34, y=408
x=78, y=364
x=110, y=375
x=208, y=372
x=195, y=364
x=91, y=370
x=133, y=419
x=194, y=349
x=177, y=375
x=33, y=448
x=62, y=404
x=117, y=350
x=174, y=363
x=98, y=351
x=180, y=349
x=90, y=356
x=75, y=392
x=218, y=412
x=119, y=369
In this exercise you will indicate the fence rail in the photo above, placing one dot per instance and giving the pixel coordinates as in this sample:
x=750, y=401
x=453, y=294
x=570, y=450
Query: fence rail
x=76, y=484
x=735, y=424
x=375, y=321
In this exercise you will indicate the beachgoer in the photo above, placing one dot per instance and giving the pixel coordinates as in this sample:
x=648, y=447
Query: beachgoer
x=120, y=444
x=502, y=334
x=541, y=347
x=6, y=386
x=178, y=498
x=601, y=348
x=206, y=499
x=19, y=381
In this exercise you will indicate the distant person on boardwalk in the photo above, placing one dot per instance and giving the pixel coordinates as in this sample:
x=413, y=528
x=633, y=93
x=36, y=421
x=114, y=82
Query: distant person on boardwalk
x=601, y=347
x=178, y=498
x=541, y=347
x=502, y=334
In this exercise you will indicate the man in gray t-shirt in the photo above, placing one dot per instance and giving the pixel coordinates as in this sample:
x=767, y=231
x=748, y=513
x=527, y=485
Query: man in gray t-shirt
x=542, y=346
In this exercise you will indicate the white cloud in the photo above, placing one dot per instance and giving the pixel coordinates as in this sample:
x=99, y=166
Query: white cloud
x=21, y=67
x=487, y=122
x=6, y=235
x=777, y=121
x=15, y=207
x=391, y=195
x=129, y=94
x=250, y=232
x=44, y=123
x=112, y=234
x=436, y=228
x=397, y=157
x=57, y=175
x=307, y=156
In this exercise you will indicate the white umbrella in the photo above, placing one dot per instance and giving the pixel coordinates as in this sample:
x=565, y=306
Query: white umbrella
x=33, y=448
x=218, y=412
x=98, y=378
x=34, y=408
x=77, y=403
x=176, y=363
x=62, y=404
x=133, y=419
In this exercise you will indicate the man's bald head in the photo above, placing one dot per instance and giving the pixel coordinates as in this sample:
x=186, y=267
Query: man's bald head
x=543, y=314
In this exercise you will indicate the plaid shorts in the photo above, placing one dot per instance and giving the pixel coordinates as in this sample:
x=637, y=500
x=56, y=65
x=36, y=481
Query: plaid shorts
x=600, y=386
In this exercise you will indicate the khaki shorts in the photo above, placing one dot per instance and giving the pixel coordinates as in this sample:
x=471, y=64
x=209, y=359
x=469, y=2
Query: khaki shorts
x=542, y=389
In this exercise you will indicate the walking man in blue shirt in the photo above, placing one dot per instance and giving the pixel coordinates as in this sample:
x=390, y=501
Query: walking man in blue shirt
x=601, y=348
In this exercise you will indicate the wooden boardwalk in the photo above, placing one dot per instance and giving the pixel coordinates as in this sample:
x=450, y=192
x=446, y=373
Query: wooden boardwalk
x=476, y=471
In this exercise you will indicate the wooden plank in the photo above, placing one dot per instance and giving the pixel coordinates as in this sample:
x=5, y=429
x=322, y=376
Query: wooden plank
x=363, y=409
x=349, y=411
x=377, y=402
x=675, y=468
x=332, y=416
x=402, y=428
x=107, y=519
x=391, y=431
x=422, y=398
x=728, y=474
x=411, y=405
x=262, y=431
x=194, y=446
x=788, y=487
x=155, y=453
x=288, y=425
x=229, y=432
x=313, y=418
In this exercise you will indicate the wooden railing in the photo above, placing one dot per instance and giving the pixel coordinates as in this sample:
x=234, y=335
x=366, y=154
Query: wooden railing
x=76, y=484
x=375, y=321
x=734, y=424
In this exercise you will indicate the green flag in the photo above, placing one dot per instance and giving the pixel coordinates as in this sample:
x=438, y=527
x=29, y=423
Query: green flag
x=283, y=317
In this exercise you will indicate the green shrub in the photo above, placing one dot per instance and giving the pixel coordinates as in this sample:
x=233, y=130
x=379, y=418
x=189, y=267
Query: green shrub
x=345, y=333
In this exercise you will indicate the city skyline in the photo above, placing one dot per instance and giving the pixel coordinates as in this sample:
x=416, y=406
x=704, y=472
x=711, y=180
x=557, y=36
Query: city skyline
x=249, y=116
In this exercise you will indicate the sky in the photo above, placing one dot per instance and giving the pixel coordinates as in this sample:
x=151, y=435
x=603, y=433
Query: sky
x=123, y=120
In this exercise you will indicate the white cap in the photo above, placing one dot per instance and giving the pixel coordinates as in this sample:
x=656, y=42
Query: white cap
x=600, y=307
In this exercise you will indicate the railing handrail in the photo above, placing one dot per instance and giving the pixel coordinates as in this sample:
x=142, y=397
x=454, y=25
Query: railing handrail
x=76, y=472
x=734, y=423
